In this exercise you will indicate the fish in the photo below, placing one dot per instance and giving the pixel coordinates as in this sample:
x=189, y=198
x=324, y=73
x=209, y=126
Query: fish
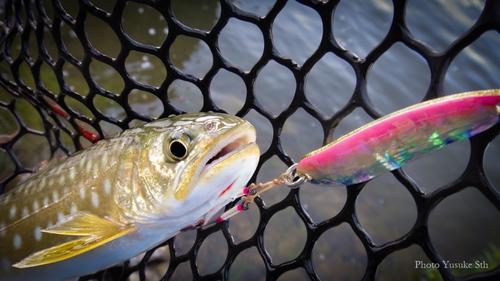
x=403, y=136
x=124, y=195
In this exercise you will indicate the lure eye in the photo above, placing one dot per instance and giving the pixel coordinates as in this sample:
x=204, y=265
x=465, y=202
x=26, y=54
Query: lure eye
x=177, y=149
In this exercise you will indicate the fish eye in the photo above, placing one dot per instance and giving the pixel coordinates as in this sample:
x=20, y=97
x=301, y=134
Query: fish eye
x=177, y=149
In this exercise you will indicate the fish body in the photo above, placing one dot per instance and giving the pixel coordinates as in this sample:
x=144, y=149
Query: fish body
x=124, y=195
x=392, y=141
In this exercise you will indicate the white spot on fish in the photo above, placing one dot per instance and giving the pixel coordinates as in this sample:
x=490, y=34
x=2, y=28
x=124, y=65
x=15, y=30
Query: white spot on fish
x=88, y=166
x=73, y=208
x=29, y=188
x=72, y=174
x=59, y=170
x=55, y=196
x=26, y=189
x=60, y=216
x=17, y=241
x=104, y=160
x=51, y=182
x=107, y=186
x=35, y=206
x=62, y=179
x=95, y=200
x=13, y=211
x=45, y=202
x=25, y=212
x=95, y=170
x=43, y=183
x=65, y=190
x=82, y=192
x=38, y=233
x=49, y=224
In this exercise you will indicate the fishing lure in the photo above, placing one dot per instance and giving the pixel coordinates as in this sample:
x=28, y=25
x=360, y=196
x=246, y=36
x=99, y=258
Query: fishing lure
x=389, y=143
x=392, y=141
x=124, y=195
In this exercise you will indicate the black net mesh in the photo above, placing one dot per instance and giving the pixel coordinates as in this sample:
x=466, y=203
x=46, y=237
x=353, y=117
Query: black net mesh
x=45, y=42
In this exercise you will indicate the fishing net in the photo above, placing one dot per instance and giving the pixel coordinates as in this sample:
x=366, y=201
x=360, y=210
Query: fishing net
x=38, y=105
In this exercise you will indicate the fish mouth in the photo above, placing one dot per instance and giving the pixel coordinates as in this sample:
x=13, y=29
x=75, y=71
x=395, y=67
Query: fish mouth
x=236, y=144
x=228, y=149
x=220, y=160
x=231, y=163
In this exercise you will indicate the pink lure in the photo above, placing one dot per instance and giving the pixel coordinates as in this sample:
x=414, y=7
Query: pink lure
x=398, y=138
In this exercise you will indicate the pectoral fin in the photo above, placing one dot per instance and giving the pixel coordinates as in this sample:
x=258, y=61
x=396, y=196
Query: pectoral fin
x=96, y=232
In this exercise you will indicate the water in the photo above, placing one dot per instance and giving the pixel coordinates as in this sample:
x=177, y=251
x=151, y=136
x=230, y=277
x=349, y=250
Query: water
x=399, y=78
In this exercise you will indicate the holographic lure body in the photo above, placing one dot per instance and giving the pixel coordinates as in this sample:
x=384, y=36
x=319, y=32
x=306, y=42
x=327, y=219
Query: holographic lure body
x=390, y=142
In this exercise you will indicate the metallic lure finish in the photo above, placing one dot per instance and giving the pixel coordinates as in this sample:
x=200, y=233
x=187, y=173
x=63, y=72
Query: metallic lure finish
x=392, y=141
x=124, y=195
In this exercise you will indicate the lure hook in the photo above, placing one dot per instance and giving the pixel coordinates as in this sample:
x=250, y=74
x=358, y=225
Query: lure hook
x=290, y=178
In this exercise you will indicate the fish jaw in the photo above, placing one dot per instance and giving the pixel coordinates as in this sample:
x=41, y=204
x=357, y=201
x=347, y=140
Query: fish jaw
x=215, y=150
x=221, y=173
x=221, y=184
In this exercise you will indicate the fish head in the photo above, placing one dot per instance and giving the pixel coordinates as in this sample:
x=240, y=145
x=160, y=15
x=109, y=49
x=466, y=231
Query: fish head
x=201, y=162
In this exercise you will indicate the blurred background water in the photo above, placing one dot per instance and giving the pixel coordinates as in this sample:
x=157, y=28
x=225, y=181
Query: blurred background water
x=462, y=227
